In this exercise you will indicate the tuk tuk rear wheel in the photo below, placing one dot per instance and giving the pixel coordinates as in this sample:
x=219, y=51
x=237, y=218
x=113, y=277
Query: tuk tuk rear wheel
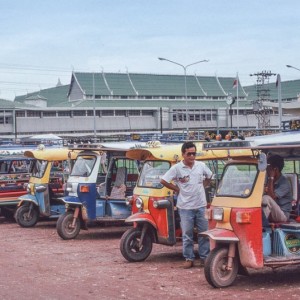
x=64, y=226
x=27, y=215
x=129, y=245
x=7, y=214
x=215, y=269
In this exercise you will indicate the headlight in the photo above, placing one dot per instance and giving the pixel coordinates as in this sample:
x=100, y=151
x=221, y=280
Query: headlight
x=69, y=187
x=40, y=189
x=161, y=203
x=218, y=213
x=28, y=187
x=128, y=200
x=139, y=203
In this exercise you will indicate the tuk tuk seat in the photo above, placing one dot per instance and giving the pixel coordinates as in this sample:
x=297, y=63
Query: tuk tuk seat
x=293, y=179
x=119, y=188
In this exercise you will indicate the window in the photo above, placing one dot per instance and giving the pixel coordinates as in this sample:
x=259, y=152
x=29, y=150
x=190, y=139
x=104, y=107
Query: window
x=237, y=180
x=120, y=113
x=20, y=114
x=90, y=113
x=79, y=113
x=134, y=113
x=83, y=166
x=64, y=114
x=147, y=113
x=47, y=114
x=107, y=113
x=32, y=113
x=38, y=168
x=152, y=172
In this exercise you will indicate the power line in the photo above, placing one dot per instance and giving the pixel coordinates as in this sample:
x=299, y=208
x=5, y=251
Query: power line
x=33, y=68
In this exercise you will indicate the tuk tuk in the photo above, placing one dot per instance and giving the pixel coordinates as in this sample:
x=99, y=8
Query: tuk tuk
x=154, y=213
x=14, y=174
x=49, y=172
x=240, y=235
x=92, y=197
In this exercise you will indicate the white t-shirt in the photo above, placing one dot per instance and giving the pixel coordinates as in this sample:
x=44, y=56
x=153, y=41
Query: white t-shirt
x=190, y=182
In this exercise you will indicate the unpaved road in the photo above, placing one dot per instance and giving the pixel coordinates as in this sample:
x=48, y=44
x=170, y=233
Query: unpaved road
x=36, y=264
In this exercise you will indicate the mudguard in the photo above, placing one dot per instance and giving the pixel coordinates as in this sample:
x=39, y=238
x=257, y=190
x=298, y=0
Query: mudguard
x=71, y=200
x=141, y=217
x=222, y=235
x=28, y=198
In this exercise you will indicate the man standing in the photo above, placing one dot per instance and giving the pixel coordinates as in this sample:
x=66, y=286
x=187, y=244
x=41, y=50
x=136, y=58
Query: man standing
x=190, y=177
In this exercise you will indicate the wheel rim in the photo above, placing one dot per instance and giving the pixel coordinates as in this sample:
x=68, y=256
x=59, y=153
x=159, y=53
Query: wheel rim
x=68, y=226
x=222, y=271
x=134, y=245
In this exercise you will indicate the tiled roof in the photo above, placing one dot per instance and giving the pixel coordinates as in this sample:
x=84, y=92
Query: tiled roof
x=119, y=84
x=54, y=95
x=133, y=86
x=12, y=104
x=289, y=90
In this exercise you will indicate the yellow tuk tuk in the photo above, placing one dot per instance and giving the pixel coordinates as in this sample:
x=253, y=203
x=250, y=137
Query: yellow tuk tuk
x=49, y=172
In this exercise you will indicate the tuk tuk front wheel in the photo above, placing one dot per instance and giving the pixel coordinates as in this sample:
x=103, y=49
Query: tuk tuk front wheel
x=130, y=245
x=216, y=272
x=27, y=215
x=65, y=228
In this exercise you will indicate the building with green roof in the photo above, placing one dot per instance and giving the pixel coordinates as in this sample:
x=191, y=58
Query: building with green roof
x=102, y=103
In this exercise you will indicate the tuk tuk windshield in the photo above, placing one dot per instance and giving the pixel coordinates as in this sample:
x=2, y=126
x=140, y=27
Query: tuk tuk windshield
x=152, y=172
x=83, y=166
x=237, y=180
x=10, y=166
x=38, y=168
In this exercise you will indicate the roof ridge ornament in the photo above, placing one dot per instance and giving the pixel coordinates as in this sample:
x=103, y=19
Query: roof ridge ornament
x=136, y=92
x=106, y=83
x=205, y=93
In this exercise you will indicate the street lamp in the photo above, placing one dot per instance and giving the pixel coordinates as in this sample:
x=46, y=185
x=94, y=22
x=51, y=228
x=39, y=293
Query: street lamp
x=185, y=88
x=289, y=66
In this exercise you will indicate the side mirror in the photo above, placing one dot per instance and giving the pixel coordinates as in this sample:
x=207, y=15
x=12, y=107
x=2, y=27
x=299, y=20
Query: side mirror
x=262, y=162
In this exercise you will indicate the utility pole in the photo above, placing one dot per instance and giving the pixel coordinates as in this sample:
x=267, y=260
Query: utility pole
x=261, y=112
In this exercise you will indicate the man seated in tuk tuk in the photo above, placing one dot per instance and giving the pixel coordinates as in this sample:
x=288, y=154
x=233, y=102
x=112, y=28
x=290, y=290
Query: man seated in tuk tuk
x=277, y=201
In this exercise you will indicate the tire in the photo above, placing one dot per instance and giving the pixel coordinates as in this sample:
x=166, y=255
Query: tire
x=27, y=215
x=63, y=226
x=214, y=268
x=129, y=245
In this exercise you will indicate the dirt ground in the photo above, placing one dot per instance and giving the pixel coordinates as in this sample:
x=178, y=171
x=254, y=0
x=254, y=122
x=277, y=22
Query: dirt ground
x=36, y=263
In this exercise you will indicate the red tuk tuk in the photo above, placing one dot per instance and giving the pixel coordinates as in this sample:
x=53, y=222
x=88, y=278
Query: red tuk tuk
x=238, y=236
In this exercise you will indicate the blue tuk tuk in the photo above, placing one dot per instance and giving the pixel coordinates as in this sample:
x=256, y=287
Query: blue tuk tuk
x=92, y=198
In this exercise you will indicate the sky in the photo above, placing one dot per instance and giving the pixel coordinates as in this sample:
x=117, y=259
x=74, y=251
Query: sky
x=43, y=41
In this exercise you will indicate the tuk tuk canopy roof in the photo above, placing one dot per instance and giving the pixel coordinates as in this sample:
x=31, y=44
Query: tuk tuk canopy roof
x=285, y=144
x=52, y=154
x=173, y=153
